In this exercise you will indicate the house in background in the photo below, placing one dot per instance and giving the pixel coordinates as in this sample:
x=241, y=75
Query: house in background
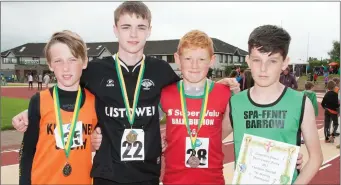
x=29, y=58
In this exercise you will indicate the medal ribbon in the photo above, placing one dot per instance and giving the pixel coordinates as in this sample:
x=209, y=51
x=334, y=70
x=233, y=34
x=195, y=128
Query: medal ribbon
x=130, y=115
x=202, y=111
x=67, y=145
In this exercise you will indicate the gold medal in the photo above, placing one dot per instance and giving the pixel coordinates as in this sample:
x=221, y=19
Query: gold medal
x=131, y=111
x=193, y=161
x=59, y=124
x=131, y=137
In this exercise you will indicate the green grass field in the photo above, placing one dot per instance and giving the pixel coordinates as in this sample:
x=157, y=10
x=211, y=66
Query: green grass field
x=12, y=106
x=9, y=108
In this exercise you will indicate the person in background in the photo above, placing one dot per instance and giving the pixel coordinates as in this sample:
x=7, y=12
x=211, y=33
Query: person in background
x=337, y=84
x=326, y=78
x=288, y=79
x=247, y=81
x=40, y=81
x=315, y=77
x=337, y=90
x=46, y=80
x=331, y=105
x=241, y=75
x=309, y=86
x=30, y=81
x=3, y=80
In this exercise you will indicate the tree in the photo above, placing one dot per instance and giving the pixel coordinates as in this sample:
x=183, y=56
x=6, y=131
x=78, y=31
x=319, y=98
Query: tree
x=335, y=52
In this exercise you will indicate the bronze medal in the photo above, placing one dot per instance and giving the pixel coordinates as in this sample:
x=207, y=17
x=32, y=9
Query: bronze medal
x=193, y=162
x=131, y=137
x=67, y=170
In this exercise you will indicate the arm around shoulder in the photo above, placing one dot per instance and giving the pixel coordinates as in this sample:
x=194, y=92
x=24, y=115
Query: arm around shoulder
x=30, y=141
x=226, y=124
x=168, y=74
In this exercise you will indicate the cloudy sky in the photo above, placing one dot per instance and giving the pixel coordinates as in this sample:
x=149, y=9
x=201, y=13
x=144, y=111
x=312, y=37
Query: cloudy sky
x=232, y=22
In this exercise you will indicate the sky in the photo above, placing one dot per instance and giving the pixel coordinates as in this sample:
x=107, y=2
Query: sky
x=312, y=25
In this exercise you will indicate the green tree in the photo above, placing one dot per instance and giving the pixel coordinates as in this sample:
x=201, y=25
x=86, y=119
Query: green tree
x=334, y=53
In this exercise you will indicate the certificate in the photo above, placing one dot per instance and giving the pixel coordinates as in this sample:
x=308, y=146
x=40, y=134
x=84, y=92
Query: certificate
x=265, y=161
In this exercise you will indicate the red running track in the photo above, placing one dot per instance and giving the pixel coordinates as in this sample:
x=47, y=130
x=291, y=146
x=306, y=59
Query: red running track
x=18, y=92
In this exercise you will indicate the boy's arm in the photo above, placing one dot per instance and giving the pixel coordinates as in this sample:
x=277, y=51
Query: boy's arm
x=30, y=139
x=323, y=101
x=232, y=83
x=312, y=143
x=227, y=127
x=87, y=75
x=169, y=74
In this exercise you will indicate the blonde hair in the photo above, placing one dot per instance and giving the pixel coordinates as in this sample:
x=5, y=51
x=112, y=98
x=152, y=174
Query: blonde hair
x=196, y=39
x=331, y=85
x=336, y=80
x=133, y=7
x=308, y=85
x=72, y=40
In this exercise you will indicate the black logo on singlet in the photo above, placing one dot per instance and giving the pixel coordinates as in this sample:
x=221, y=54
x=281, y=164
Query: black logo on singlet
x=86, y=129
x=265, y=118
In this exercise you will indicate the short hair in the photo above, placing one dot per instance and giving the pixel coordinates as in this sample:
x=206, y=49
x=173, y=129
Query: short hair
x=331, y=85
x=196, y=39
x=242, y=70
x=308, y=85
x=133, y=7
x=75, y=43
x=336, y=80
x=270, y=39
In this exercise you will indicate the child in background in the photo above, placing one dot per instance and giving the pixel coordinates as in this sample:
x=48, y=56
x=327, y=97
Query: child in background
x=312, y=96
x=331, y=105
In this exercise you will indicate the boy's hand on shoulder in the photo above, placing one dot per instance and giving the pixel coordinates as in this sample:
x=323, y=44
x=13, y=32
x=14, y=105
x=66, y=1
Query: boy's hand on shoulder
x=96, y=138
x=20, y=121
x=232, y=83
x=299, y=162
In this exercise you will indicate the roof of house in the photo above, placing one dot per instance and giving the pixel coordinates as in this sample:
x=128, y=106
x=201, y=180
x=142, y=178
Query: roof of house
x=95, y=49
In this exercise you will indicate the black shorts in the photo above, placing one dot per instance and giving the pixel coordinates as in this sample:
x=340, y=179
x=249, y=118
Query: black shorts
x=30, y=83
x=100, y=181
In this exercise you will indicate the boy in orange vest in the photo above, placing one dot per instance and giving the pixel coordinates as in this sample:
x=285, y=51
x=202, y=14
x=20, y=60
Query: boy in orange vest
x=56, y=147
